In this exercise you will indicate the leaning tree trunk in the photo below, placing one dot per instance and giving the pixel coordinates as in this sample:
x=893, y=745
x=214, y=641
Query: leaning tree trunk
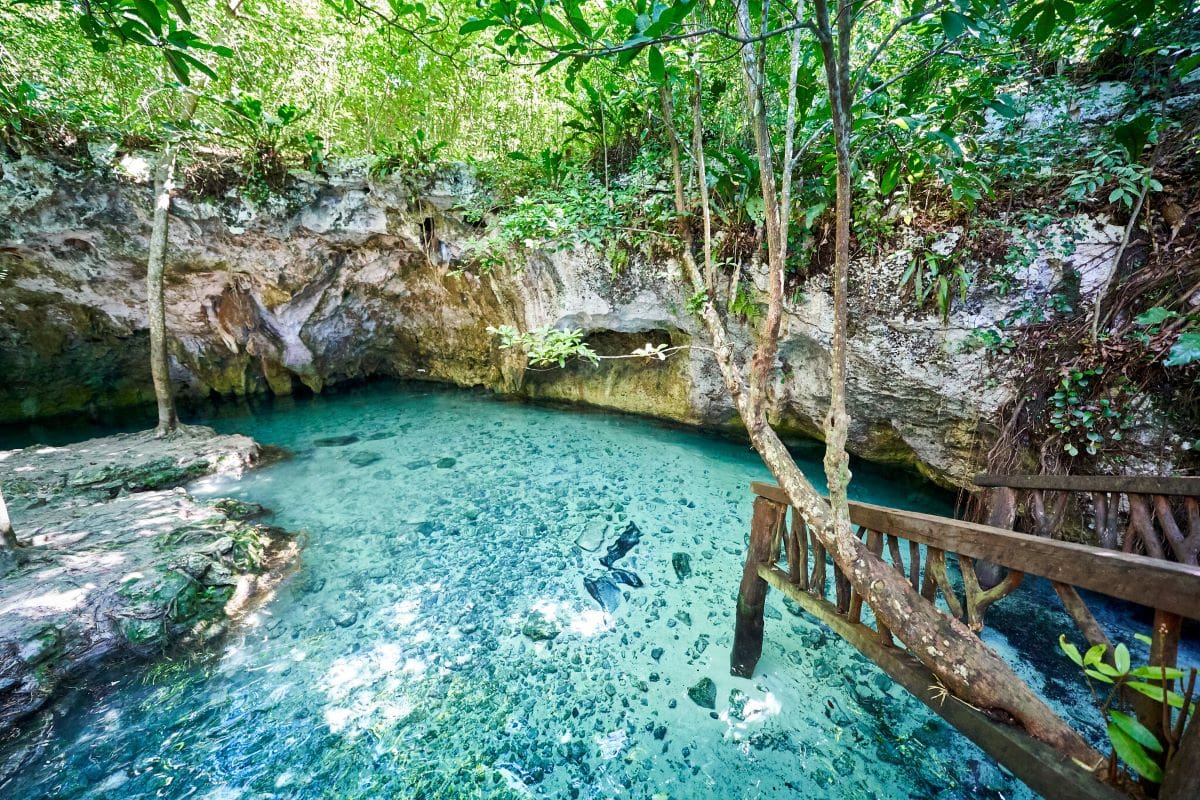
x=958, y=658
x=164, y=173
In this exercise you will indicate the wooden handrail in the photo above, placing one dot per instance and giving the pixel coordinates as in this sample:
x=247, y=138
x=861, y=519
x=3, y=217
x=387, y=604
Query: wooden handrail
x=1128, y=484
x=1151, y=582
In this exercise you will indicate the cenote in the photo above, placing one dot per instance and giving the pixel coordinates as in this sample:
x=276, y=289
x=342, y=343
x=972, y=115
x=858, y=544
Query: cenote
x=439, y=639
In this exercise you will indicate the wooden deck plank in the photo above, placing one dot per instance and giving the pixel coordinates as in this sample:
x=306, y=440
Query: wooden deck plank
x=1037, y=764
x=1152, y=582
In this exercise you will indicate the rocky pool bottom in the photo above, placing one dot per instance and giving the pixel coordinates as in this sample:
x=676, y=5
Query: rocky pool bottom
x=499, y=600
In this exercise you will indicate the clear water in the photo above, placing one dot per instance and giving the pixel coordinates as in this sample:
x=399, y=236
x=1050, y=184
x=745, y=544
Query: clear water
x=399, y=661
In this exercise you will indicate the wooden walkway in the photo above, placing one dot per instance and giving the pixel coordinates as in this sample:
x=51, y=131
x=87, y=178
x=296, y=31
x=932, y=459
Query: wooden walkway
x=918, y=544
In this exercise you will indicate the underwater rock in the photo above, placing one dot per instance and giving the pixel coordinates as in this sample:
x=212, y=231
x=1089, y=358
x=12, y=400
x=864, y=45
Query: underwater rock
x=657, y=653
x=624, y=543
x=590, y=540
x=627, y=577
x=704, y=693
x=603, y=591
x=335, y=441
x=682, y=563
x=345, y=618
x=539, y=629
x=364, y=458
x=446, y=463
x=737, y=704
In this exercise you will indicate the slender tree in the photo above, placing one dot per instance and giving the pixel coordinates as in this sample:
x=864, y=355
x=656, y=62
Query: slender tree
x=164, y=183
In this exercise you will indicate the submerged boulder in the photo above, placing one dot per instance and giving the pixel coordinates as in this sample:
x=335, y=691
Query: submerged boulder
x=540, y=628
x=704, y=693
x=602, y=589
x=624, y=543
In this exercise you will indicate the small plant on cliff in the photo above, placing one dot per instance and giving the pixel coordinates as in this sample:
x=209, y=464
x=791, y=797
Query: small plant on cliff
x=269, y=139
x=546, y=347
x=937, y=277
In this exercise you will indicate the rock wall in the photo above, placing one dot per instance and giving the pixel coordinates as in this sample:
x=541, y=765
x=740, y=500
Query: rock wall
x=350, y=277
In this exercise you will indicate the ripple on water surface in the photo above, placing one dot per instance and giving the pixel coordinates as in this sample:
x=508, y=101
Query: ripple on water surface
x=470, y=622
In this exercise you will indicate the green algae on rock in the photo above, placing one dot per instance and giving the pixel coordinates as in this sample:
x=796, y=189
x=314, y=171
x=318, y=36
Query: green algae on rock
x=120, y=560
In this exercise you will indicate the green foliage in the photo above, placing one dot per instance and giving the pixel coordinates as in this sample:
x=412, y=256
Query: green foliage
x=1111, y=168
x=269, y=140
x=744, y=305
x=1132, y=742
x=1084, y=421
x=936, y=277
x=546, y=346
x=1185, y=347
x=414, y=158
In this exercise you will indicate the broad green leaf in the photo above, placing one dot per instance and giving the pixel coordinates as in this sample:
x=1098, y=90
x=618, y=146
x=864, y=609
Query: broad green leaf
x=1065, y=10
x=1003, y=109
x=1136, y=731
x=178, y=66
x=1156, y=692
x=197, y=64
x=1071, y=650
x=891, y=177
x=1154, y=316
x=1045, y=24
x=1186, y=350
x=148, y=11
x=1091, y=673
x=658, y=69
x=1157, y=673
x=953, y=24
x=1094, y=655
x=1134, y=754
x=181, y=11
x=1121, y=658
x=475, y=24
x=1133, y=135
x=1143, y=638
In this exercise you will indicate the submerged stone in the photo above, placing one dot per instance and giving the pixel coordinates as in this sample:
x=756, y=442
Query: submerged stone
x=335, y=441
x=539, y=629
x=737, y=704
x=624, y=543
x=364, y=458
x=446, y=463
x=627, y=577
x=682, y=563
x=603, y=591
x=704, y=693
x=590, y=540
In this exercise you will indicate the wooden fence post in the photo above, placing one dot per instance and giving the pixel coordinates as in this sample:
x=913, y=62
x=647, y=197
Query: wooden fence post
x=765, y=530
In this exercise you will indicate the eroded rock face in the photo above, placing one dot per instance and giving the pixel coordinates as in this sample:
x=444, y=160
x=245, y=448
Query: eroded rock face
x=351, y=277
x=118, y=559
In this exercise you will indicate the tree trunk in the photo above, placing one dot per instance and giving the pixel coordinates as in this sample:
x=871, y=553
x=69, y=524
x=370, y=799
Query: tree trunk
x=968, y=668
x=1182, y=781
x=164, y=173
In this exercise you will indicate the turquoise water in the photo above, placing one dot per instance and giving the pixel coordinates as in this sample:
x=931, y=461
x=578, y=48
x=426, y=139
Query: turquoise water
x=440, y=640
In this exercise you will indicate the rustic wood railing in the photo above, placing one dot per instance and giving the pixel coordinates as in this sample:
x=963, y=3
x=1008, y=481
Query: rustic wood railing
x=917, y=545
x=1159, y=516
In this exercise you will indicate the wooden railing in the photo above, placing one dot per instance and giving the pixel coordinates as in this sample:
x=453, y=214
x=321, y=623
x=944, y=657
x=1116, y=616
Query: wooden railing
x=917, y=545
x=1161, y=516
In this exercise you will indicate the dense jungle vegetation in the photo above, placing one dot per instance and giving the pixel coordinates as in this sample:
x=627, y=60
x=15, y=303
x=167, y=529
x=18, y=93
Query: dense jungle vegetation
x=803, y=143
x=982, y=133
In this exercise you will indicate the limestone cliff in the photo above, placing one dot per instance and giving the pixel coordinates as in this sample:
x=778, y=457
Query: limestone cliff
x=350, y=277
